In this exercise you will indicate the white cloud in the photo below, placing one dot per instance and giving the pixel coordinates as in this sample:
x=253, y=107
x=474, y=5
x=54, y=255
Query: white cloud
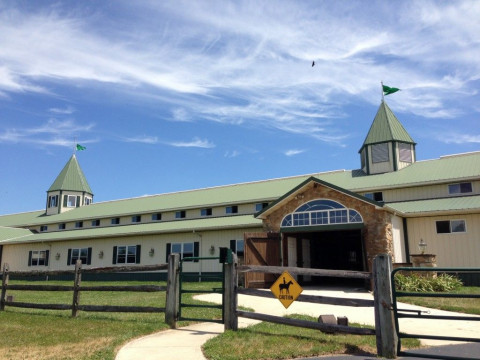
x=196, y=142
x=459, y=138
x=52, y=133
x=65, y=111
x=143, y=139
x=293, y=152
x=232, y=154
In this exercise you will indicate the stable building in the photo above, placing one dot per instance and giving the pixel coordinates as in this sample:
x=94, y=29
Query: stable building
x=332, y=220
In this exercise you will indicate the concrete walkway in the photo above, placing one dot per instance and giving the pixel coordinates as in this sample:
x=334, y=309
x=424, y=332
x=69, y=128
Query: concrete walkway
x=185, y=343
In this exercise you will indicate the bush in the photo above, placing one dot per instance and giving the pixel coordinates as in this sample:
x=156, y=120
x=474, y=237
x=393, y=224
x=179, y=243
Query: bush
x=418, y=283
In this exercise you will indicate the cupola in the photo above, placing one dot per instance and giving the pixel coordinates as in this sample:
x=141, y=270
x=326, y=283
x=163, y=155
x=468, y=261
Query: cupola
x=69, y=190
x=388, y=147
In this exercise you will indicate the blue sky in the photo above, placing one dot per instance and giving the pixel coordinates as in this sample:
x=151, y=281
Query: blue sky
x=178, y=95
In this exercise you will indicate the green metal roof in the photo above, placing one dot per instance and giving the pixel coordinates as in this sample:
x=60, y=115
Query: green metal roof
x=137, y=229
x=14, y=234
x=448, y=169
x=437, y=206
x=71, y=178
x=386, y=127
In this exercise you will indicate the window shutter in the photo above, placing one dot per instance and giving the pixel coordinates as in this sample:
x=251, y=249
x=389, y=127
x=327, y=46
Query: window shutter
x=196, y=248
x=137, y=260
x=114, y=260
x=69, y=256
x=78, y=201
x=233, y=245
x=169, y=250
x=30, y=258
x=47, y=256
x=65, y=201
x=89, y=256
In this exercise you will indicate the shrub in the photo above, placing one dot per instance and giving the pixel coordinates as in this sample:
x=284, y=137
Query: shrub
x=418, y=283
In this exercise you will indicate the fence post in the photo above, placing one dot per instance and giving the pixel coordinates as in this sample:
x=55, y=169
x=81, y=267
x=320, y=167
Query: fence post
x=230, y=295
x=387, y=339
x=5, y=277
x=173, y=291
x=76, y=287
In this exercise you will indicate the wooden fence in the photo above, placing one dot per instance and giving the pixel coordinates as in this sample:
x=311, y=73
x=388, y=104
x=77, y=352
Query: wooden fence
x=77, y=288
x=384, y=331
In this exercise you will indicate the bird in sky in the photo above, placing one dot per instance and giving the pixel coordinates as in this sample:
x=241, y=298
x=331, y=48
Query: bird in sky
x=313, y=63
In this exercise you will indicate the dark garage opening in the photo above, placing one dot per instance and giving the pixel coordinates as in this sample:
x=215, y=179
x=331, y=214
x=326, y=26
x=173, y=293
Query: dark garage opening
x=333, y=250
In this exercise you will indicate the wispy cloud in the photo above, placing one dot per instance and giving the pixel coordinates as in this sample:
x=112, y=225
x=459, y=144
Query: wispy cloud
x=231, y=154
x=65, y=111
x=143, y=139
x=195, y=142
x=459, y=138
x=293, y=152
x=52, y=133
x=254, y=69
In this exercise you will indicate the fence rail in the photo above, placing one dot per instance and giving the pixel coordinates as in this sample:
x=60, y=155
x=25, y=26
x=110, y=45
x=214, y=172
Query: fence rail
x=77, y=288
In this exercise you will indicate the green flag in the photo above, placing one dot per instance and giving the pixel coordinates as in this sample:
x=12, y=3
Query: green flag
x=80, y=147
x=389, y=90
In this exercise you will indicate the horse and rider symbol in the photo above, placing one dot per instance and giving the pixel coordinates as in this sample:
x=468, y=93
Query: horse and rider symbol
x=285, y=286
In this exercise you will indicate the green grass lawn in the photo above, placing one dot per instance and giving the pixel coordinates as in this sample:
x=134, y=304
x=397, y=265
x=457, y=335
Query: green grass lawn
x=275, y=341
x=49, y=334
x=467, y=306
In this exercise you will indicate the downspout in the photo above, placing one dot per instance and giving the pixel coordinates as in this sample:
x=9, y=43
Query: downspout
x=405, y=237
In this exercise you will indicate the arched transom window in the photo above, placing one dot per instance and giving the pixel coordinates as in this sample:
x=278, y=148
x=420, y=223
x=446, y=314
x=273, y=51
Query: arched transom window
x=321, y=212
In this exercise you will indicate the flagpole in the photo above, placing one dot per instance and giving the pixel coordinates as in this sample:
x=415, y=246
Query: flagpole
x=74, y=146
x=381, y=87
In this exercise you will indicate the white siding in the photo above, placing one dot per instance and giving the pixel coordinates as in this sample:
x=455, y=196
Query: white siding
x=452, y=250
x=398, y=240
x=17, y=255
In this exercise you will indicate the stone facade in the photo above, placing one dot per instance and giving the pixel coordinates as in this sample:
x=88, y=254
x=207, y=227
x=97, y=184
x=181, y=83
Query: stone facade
x=376, y=234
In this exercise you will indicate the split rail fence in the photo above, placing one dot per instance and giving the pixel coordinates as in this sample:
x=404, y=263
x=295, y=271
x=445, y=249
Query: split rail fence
x=77, y=288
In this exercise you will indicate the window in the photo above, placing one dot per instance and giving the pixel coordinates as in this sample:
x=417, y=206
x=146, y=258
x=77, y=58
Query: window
x=186, y=249
x=460, y=188
x=180, y=214
x=129, y=254
x=79, y=224
x=321, y=212
x=450, y=226
x=115, y=221
x=237, y=246
x=157, y=217
x=88, y=201
x=84, y=254
x=363, y=157
x=96, y=222
x=231, y=209
x=260, y=206
x=43, y=228
x=405, y=152
x=61, y=226
x=380, y=153
x=71, y=201
x=38, y=258
x=53, y=201
x=136, y=218
x=377, y=196
x=206, y=212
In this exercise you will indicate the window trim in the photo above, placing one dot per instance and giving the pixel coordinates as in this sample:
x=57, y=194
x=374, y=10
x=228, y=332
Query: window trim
x=232, y=209
x=206, y=212
x=196, y=249
x=71, y=261
x=451, y=227
x=115, y=259
x=46, y=257
x=450, y=192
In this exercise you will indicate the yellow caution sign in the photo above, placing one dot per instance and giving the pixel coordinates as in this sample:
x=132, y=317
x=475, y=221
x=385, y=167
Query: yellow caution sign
x=286, y=289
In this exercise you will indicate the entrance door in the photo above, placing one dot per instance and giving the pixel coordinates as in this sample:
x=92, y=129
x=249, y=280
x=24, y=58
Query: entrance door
x=261, y=249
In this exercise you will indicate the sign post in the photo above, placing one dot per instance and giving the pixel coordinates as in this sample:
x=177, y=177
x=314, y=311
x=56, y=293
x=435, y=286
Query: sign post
x=286, y=289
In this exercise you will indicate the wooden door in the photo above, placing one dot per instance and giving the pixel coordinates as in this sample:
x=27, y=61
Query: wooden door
x=261, y=249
